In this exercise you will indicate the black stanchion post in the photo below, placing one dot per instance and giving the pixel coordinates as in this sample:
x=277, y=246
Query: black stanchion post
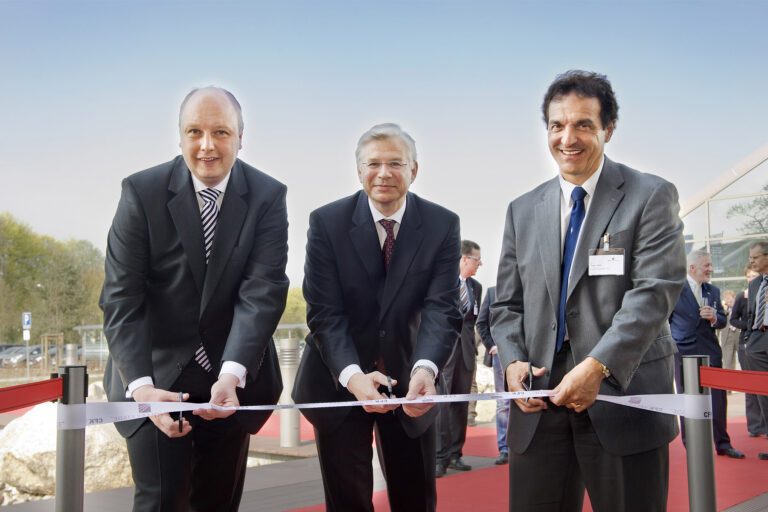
x=70, y=445
x=698, y=440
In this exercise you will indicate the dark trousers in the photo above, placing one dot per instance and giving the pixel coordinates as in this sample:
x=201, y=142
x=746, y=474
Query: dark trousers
x=719, y=408
x=202, y=471
x=565, y=456
x=755, y=422
x=759, y=363
x=451, y=422
x=408, y=464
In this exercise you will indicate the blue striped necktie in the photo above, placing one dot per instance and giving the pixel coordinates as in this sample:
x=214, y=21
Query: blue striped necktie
x=208, y=214
x=569, y=249
x=760, y=303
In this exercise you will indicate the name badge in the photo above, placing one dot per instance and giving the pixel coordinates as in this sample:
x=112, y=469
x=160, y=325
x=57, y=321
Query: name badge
x=477, y=310
x=606, y=262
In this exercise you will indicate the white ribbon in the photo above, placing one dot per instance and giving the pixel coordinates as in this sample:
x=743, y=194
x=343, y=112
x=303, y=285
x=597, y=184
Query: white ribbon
x=100, y=413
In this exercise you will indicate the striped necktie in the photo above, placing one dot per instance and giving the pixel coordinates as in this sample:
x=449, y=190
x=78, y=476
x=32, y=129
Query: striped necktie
x=760, y=303
x=464, y=296
x=208, y=214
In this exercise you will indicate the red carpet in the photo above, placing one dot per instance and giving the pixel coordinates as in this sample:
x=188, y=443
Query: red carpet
x=485, y=490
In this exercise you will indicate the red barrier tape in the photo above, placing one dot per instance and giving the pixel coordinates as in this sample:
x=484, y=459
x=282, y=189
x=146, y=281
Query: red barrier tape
x=26, y=395
x=745, y=381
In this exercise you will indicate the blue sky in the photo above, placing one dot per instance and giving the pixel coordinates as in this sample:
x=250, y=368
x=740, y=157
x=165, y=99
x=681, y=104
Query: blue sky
x=90, y=90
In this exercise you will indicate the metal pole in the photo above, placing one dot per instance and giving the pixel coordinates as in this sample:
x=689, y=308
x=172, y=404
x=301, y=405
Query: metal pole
x=70, y=446
x=289, y=418
x=698, y=441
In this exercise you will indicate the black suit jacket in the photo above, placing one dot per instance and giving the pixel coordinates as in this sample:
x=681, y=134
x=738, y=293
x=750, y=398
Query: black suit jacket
x=739, y=316
x=161, y=300
x=467, y=343
x=694, y=335
x=357, y=312
x=757, y=341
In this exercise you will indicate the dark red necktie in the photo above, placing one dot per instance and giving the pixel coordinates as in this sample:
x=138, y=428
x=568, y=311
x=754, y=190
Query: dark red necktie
x=389, y=242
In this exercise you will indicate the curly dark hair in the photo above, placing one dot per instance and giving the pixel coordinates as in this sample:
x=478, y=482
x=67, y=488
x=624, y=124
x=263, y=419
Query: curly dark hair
x=586, y=84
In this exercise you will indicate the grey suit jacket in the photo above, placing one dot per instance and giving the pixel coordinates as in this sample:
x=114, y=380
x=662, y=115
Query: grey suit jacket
x=757, y=341
x=161, y=300
x=466, y=343
x=619, y=320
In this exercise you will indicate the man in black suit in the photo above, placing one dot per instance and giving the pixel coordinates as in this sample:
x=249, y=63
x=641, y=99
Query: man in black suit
x=382, y=301
x=697, y=314
x=194, y=287
x=757, y=334
x=459, y=371
x=740, y=319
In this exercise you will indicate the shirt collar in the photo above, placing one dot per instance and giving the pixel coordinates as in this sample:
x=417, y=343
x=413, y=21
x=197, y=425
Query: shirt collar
x=221, y=186
x=397, y=216
x=589, y=186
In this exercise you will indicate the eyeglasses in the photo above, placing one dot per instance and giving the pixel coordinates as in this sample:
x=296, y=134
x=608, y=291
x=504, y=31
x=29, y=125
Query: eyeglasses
x=375, y=166
x=476, y=258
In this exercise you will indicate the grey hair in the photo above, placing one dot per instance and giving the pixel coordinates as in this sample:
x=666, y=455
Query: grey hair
x=760, y=244
x=386, y=131
x=694, y=256
x=229, y=95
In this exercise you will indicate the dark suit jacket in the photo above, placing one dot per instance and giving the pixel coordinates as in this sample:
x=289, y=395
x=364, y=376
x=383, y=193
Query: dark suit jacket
x=739, y=316
x=160, y=300
x=694, y=335
x=484, y=319
x=757, y=341
x=469, y=317
x=619, y=320
x=357, y=312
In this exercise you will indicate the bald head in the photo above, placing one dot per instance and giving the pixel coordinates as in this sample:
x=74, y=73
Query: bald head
x=212, y=89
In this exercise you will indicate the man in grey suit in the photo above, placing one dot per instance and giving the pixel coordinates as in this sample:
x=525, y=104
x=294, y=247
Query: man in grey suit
x=592, y=263
x=757, y=321
x=194, y=287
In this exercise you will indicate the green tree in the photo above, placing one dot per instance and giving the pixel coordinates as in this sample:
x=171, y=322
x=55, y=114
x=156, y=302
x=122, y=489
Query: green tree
x=755, y=213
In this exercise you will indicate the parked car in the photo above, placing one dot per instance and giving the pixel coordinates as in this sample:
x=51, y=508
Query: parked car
x=16, y=356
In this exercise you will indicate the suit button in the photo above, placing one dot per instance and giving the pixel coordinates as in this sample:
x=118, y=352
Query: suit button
x=179, y=366
x=554, y=326
x=382, y=333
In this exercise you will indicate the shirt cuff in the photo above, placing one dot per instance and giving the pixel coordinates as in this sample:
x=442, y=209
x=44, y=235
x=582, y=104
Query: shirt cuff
x=347, y=374
x=136, y=384
x=425, y=362
x=235, y=369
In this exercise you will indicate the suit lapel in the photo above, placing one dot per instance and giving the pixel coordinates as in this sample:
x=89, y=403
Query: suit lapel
x=687, y=293
x=185, y=213
x=601, y=209
x=407, y=244
x=547, y=220
x=228, y=225
x=365, y=239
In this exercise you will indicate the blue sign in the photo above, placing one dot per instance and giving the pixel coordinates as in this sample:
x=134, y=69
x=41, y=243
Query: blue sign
x=26, y=320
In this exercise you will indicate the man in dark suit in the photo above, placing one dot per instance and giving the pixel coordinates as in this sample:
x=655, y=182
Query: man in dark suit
x=502, y=406
x=740, y=319
x=590, y=303
x=697, y=314
x=194, y=287
x=459, y=372
x=382, y=301
x=757, y=335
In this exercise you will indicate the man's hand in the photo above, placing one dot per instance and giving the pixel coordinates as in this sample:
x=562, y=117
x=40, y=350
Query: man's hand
x=422, y=384
x=222, y=393
x=516, y=375
x=493, y=350
x=708, y=313
x=579, y=387
x=164, y=422
x=365, y=387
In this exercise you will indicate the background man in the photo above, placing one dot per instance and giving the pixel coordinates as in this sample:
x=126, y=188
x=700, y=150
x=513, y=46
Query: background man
x=697, y=314
x=740, y=319
x=502, y=406
x=757, y=335
x=194, y=287
x=459, y=371
x=599, y=326
x=382, y=300
x=728, y=336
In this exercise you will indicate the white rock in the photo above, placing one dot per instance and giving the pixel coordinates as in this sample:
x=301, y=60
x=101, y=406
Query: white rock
x=28, y=454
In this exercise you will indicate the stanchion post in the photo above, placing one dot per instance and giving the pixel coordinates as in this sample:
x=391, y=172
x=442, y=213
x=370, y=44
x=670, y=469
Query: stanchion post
x=698, y=441
x=70, y=445
x=289, y=418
